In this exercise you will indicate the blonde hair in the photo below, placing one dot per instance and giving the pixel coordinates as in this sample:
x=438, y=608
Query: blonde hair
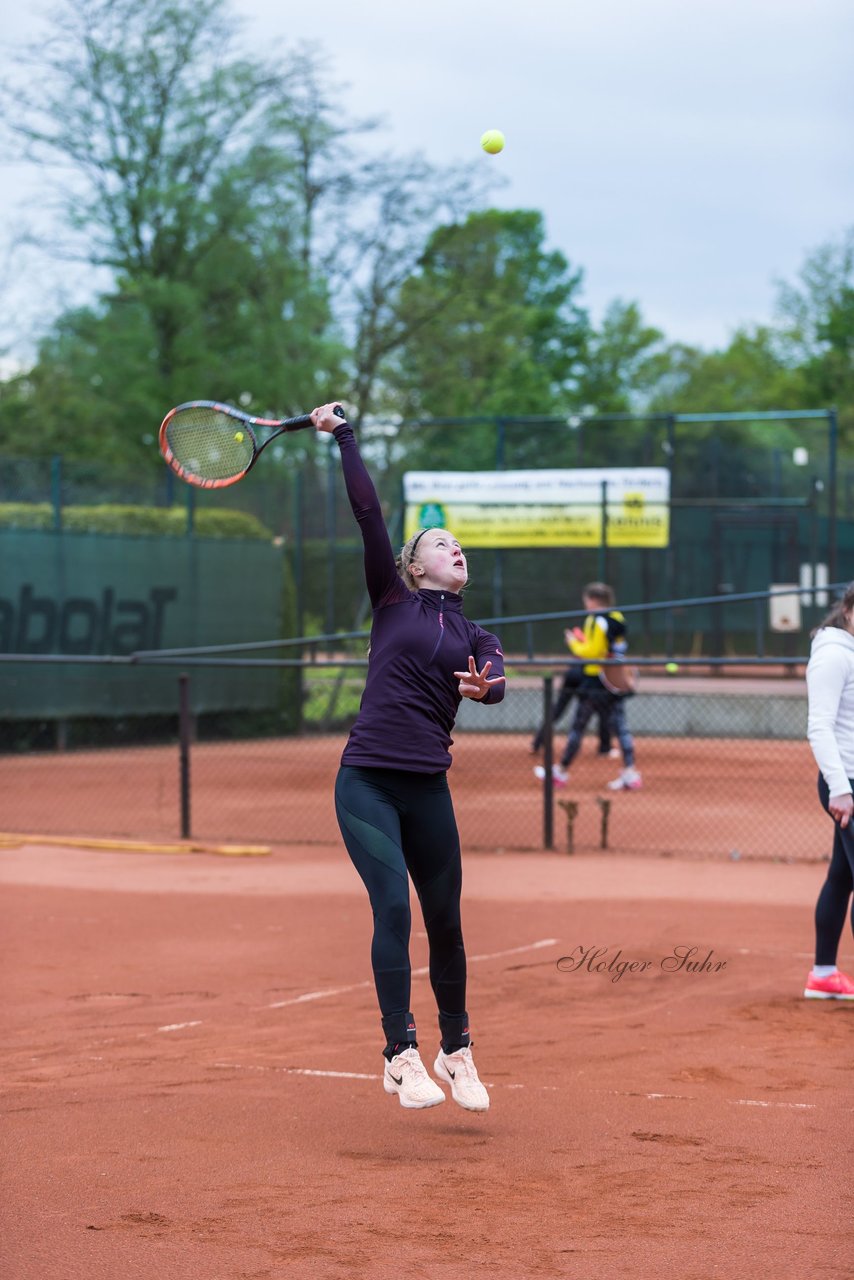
x=407, y=556
x=409, y=553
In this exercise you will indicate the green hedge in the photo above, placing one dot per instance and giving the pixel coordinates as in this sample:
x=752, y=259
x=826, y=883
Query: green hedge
x=133, y=520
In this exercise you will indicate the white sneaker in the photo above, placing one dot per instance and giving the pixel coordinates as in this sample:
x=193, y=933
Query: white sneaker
x=559, y=775
x=458, y=1070
x=629, y=780
x=407, y=1076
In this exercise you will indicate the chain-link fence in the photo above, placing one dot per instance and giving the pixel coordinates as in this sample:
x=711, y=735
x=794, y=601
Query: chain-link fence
x=726, y=770
x=754, y=500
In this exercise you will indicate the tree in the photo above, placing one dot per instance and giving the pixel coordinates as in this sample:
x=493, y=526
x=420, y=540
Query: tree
x=225, y=198
x=495, y=328
x=747, y=374
x=816, y=333
x=166, y=133
x=403, y=200
x=182, y=186
x=624, y=362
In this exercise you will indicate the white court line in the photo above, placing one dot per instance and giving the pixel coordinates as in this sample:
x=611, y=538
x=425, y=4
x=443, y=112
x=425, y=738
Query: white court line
x=733, y=1102
x=416, y=973
x=299, y=1071
x=652, y=1097
x=334, y=991
x=795, y=955
x=750, y=1102
x=347, y=1075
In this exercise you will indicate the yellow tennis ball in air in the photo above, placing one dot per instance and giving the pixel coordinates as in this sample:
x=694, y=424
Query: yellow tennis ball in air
x=671, y=668
x=493, y=141
x=238, y=435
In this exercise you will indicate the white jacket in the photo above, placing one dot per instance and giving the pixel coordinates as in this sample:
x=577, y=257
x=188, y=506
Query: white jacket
x=830, y=726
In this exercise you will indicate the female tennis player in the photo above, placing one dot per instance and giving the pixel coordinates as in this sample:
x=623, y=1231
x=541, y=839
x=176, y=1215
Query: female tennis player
x=830, y=728
x=391, y=794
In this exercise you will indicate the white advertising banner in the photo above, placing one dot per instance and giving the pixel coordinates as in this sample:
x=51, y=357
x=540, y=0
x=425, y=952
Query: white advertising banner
x=559, y=508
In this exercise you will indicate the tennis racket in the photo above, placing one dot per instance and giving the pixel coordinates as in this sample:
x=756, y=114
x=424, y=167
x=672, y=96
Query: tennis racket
x=213, y=445
x=618, y=677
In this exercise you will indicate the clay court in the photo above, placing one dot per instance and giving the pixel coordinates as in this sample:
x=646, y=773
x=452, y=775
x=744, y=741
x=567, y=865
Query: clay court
x=193, y=1074
x=702, y=797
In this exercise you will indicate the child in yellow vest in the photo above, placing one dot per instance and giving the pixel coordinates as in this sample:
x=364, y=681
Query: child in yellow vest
x=603, y=635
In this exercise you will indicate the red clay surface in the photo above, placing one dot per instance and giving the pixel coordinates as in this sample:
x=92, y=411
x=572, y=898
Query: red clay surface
x=703, y=797
x=174, y=1026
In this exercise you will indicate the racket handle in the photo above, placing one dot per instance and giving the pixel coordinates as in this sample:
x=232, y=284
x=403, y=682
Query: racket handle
x=304, y=420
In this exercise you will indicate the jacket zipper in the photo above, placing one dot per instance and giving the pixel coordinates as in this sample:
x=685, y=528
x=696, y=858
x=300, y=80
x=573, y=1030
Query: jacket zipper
x=441, y=628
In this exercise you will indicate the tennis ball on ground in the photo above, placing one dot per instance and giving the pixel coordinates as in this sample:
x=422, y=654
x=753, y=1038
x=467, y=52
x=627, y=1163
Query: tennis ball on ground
x=672, y=668
x=238, y=435
x=493, y=141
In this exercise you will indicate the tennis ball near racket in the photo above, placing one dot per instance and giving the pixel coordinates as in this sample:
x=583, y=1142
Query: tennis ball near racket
x=672, y=668
x=493, y=141
x=238, y=435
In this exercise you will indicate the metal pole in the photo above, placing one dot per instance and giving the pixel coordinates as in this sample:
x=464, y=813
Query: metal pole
x=299, y=590
x=330, y=543
x=498, y=554
x=832, y=500
x=299, y=554
x=548, y=760
x=669, y=566
x=56, y=491
x=603, y=545
x=185, y=733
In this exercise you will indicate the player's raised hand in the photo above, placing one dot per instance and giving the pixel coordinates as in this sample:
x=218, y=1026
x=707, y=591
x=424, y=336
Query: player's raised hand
x=476, y=684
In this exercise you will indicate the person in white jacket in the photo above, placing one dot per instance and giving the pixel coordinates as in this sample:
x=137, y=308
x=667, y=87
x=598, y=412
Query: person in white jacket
x=830, y=729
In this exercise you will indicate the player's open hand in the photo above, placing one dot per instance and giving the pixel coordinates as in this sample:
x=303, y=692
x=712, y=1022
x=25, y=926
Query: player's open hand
x=840, y=808
x=475, y=684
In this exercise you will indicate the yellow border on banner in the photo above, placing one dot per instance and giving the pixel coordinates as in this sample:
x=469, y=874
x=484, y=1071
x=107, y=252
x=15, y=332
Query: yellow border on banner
x=12, y=840
x=494, y=525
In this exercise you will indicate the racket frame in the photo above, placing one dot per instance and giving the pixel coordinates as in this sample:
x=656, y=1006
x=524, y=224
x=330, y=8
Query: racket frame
x=279, y=426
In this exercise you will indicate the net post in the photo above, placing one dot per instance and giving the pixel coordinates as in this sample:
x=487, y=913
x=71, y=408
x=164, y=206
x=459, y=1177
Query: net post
x=185, y=728
x=56, y=491
x=548, y=760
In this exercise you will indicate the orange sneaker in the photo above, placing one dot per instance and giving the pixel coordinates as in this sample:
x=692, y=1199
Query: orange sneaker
x=836, y=986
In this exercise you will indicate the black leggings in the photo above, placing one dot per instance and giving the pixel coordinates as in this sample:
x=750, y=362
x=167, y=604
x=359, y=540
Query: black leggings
x=569, y=689
x=393, y=823
x=832, y=906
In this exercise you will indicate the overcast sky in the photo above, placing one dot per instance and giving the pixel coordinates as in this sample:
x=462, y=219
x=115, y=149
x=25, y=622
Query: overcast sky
x=685, y=155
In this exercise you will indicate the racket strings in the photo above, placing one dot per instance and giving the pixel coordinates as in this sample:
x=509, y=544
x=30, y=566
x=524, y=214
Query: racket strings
x=210, y=444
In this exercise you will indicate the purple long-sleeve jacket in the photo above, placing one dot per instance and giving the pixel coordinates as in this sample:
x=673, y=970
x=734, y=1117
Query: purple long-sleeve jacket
x=418, y=640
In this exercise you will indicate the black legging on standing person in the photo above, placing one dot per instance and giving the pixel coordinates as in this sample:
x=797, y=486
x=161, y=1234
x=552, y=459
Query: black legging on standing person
x=381, y=812
x=832, y=905
x=569, y=689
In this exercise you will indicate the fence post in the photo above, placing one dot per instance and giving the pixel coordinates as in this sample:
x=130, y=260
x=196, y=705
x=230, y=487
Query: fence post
x=603, y=546
x=185, y=734
x=548, y=760
x=331, y=463
x=56, y=491
x=832, y=497
x=299, y=589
